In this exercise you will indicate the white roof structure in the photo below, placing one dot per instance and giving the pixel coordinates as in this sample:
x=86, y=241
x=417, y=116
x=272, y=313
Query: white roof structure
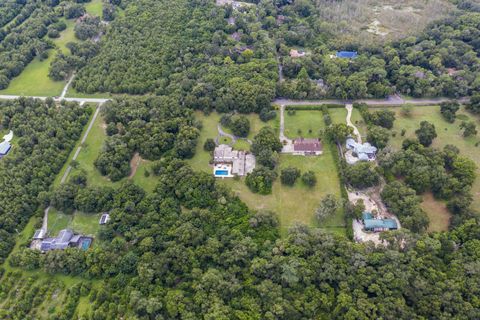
x=4, y=148
x=8, y=137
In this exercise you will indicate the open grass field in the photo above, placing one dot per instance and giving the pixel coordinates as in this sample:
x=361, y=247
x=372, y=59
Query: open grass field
x=94, y=7
x=90, y=152
x=34, y=80
x=338, y=115
x=292, y=204
x=437, y=212
x=306, y=124
x=448, y=133
x=297, y=203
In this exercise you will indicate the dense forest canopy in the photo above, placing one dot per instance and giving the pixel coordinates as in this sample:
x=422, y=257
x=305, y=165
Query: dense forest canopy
x=46, y=135
x=192, y=250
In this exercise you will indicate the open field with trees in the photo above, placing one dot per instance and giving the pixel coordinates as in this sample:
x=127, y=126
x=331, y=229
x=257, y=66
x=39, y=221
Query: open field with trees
x=284, y=200
x=448, y=133
x=34, y=79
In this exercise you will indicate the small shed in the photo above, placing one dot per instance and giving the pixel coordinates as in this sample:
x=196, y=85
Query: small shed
x=104, y=219
x=346, y=54
x=5, y=147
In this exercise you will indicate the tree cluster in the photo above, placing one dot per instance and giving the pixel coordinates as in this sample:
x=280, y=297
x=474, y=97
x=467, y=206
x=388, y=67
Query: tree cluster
x=151, y=126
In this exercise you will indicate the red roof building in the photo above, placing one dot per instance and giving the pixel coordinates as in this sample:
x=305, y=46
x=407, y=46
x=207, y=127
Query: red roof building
x=304, y=146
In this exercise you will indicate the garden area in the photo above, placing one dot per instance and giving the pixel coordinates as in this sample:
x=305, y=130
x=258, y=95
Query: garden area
x=295, y=203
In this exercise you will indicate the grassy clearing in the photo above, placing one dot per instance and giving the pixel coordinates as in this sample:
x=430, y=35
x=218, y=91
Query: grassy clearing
x=58, y=221
x=437, y=212
x=241, y=145
x=34, y=80
x=297, y=203
x=90, y=152
x=339, y=115
x=94, y=7
x=307, y=124
x=448, y=133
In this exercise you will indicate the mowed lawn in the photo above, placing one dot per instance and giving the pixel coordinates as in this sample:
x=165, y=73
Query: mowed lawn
x=79, y=222
x=303, y=123
x=448, y=133
x=297, y=203
x=292, y=204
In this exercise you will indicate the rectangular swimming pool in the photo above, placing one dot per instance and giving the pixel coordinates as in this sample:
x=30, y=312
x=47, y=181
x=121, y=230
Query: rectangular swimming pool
x=221, y=172
x=86, y=244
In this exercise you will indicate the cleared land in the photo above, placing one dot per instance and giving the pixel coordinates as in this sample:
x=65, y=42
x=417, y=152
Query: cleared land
x=367, y=20
x=448, y=133
x=34, y=80
x=79, y=222
x=89, y=153
x=292, y=204
x=307, y=124
x=437, y=212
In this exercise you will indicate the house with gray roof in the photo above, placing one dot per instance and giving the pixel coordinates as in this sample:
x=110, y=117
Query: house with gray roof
x=65, y=239
x=363, y=151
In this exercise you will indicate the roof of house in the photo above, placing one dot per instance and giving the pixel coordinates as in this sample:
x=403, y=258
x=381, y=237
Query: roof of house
x=380, y=223
x=367, y=215
x=60, y=242
x=5, y=147
x=359, y=148
x=347, y=54
x=307, y=145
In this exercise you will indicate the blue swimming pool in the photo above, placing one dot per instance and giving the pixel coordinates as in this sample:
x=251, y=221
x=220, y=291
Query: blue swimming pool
x=221, y=172
x=86, y=244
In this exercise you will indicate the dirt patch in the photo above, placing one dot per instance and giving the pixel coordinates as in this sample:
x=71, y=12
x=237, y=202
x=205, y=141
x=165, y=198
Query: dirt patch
x=437, y=212
x=134, y=163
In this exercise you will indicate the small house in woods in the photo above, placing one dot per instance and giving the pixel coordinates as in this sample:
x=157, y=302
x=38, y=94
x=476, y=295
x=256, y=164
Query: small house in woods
x=104, y=219
x=66, y=239
x=307, y=147
x=378, y=225
x=229, y=163
x=346, y=54
x=363, y=151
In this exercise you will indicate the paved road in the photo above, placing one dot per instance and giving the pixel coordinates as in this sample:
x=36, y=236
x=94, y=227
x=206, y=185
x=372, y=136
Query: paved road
x=80, y=100
x=392, y=101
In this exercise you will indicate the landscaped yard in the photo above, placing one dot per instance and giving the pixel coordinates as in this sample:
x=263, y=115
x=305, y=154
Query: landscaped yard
x=297, y=203
x=292, y=204
x=306, y=124
x=448, y=133
x=79, y=222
